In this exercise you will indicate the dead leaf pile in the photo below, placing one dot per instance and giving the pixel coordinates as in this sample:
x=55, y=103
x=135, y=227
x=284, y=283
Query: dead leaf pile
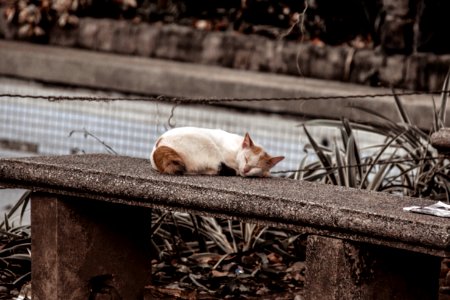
x=213, y=276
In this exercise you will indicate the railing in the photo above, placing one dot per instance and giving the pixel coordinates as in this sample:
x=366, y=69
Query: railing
x=361, y=245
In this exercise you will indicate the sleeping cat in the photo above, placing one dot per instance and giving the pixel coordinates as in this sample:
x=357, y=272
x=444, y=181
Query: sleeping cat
x=191, y=150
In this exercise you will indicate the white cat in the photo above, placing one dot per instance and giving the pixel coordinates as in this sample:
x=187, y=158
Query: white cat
x=191, y=150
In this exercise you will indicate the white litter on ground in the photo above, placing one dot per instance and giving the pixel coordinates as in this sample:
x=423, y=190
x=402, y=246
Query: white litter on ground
x=439, y=209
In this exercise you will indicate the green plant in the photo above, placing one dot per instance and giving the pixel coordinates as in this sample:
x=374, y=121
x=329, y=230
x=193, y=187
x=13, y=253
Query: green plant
x=404, y=163
x=223, y=257
x=15, y=252
x=191, y=250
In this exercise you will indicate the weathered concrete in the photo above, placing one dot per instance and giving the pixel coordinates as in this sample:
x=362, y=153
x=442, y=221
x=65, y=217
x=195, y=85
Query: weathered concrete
x=84, y=249
x=441, y=140
x=81, y=249
x=149, y=77
x=339, y=270
x=256, y=53
x=352, y=214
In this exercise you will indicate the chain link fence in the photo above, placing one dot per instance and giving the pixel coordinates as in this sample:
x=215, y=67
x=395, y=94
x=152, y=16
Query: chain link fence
x=42, y=127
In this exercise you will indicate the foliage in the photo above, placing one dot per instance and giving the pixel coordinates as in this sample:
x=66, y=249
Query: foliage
x=15, y=252
x=197, y=255
x=200, y=256
x=405, y=163
x=205, y=253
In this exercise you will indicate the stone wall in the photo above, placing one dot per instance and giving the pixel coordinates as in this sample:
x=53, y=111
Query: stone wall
x=397, y=30
x=250, y=52
x=416, y=71
x=397, y=26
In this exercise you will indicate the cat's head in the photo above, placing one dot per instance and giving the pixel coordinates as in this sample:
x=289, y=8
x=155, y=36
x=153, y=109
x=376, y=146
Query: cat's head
x=253, y=161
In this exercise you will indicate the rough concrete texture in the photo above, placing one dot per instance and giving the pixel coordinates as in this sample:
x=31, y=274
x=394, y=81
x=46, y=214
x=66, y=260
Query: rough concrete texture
x=150, y=76
x=89, y=249
x=252, y=52
x=339, y=270
x=353, y=214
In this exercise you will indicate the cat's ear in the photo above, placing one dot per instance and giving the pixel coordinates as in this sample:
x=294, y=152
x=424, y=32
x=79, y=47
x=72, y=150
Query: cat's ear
x=247, y=143
x=274, y=160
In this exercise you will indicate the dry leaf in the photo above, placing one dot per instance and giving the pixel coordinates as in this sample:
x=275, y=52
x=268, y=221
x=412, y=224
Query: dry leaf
x=216, y=273
x=274, y=258
x=298, y=266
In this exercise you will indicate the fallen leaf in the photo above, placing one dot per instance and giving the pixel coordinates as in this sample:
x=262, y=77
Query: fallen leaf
x=274, y=258
x=298, y=266
x=216, y=273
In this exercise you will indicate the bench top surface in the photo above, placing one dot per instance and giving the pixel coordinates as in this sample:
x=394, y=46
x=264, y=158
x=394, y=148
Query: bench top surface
x=316, y=208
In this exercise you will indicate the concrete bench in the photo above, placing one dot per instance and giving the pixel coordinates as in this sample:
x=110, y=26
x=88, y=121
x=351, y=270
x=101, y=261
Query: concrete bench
x=90, y=217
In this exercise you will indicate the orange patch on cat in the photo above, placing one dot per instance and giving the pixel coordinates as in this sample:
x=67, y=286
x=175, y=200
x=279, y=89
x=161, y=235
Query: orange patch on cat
x=256, y=150
x=168, y=161
x=264, y=159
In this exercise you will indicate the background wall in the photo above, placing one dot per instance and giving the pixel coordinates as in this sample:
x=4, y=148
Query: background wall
x=392, y=43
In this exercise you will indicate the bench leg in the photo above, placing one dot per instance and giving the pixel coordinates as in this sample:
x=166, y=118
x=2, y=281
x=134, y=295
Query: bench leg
x=337, y=269
x=86, y=249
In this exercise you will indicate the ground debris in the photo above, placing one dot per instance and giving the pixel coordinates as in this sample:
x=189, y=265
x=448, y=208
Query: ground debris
x=250, y=276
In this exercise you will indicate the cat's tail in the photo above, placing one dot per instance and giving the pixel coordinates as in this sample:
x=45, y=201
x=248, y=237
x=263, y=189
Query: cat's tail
x=168, y=161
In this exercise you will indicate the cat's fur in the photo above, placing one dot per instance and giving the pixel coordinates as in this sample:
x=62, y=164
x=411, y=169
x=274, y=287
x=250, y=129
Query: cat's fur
x=191, y=150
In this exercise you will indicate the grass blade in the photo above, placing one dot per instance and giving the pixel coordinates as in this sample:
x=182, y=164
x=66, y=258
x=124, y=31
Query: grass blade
x=233, y=239
x=322, y=157
x=352, y=161
x=444, y=96
x=299, y=175
x=401, y=110
x=22, y=279
x=436, y=123
x=158, y=223
x=22, y=202
x=339, y=164
x=352, y=148
x=377, y=158
x=376, y=182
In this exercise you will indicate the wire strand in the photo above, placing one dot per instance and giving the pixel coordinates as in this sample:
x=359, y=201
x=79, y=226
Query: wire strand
x=178, y=100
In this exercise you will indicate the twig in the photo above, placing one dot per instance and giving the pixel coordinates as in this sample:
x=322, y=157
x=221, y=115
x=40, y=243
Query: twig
x=196, y=101
x=87, y=133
